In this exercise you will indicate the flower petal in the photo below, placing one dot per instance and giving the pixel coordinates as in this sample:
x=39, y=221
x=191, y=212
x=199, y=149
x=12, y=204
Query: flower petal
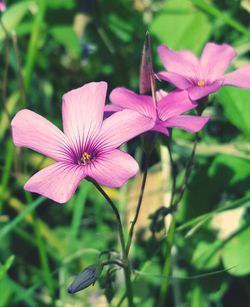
x=182, y=62
x=112, y=108
x=197, y=92
x=127, y=99
x=113, y=168
x=187, y=122
x=181, y=82
x=160, y=128
x=121, y=127
x=175, y=103
x=57, y=181
x=35, y=132
x=83, y=112
x=239, y=77
x=215, y=59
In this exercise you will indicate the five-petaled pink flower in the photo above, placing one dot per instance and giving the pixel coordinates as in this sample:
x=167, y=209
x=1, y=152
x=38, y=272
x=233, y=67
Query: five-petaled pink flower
x=166, y=113
x=2, y=6
x=203, y=76
x=88, y=146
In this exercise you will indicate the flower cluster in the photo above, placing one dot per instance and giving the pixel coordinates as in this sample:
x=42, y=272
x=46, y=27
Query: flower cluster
x=88, y=145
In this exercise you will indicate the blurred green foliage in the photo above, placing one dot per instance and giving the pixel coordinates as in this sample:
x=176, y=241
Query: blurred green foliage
x=50, y=47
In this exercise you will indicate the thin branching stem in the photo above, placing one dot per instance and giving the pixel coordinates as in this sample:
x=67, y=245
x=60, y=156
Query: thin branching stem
x=144, y=179
x=126, y=268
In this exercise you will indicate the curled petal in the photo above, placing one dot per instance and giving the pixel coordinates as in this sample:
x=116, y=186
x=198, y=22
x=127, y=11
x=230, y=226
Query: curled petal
x=239, y=77
x=197, y=92
x=33, y=131
x=215, y=59
x=127, y=99
x=187, y=122
x=113, y=168
x=175, y=103
x=57, y=181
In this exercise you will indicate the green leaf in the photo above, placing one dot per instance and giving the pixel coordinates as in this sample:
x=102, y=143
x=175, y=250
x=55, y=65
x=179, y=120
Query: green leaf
x=200, y=256
x=234, y=169
x=235, y=254
x=236, y=107
x=193, y=28
x=66, y=36
x=62, y=4
x=14, y=15
x=4, y=268
x=10, y=226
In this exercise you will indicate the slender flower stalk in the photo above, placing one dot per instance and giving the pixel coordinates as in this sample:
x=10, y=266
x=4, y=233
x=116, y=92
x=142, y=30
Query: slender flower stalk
x=138, y=207
x=126, y=266
x=147, y=86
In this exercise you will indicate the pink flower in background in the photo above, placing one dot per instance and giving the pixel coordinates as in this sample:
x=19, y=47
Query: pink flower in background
x=166, y=114
x=203, y=76
x=86, y=148
x=2, y=6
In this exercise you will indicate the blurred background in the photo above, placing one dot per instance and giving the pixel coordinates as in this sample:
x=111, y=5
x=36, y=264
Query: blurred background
x=50, y=47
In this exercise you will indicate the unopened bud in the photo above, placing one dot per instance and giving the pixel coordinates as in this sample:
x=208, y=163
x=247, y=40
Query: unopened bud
x=146, y=70
x=85, y=279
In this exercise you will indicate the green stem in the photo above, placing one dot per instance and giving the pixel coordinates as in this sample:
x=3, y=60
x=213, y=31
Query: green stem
x=43, y=255
x=171, y=230
x=144, y=179
x=34, y=42
x=167, y=264
x=127, y=270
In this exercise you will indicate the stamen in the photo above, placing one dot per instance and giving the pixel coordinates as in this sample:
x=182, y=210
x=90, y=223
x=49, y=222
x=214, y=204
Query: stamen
x=86, y=158
x=201, y=83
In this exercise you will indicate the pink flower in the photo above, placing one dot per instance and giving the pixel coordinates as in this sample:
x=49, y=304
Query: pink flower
x=86, y=148
x=166, y=114
x=203, y=76
x=2, y=6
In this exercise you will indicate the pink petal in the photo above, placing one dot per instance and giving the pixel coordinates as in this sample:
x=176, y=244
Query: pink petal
x=2, y=6
x=127, y=99
x=113, y=168
x=240, y=77
x=215, y=59
x=57, y=181
x=197, y=92
x=34, y=131
x=121, y=127
x=160, y=94
x=112, y=108
x=182, y=62
x=83, y=112
x=180, y=81
x=160, y=128
x=175, y=103
x=187, y=122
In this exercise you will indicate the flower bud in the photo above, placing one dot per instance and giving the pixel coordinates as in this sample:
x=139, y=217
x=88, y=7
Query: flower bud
x=146, y=69
x=85, y=279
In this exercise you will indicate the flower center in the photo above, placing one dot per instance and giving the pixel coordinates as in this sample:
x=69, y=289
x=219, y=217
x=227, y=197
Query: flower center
x=201, y=83
x=85, y=158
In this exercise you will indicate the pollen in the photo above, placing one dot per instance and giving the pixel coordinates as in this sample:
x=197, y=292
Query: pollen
x=85, y=158
x=201, y=83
